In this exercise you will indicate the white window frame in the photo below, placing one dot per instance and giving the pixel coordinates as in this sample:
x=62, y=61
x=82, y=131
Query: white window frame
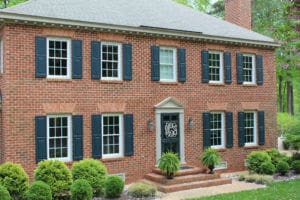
x=174, y=79
x=121, y=137
x=1, y=56
x=253, y=69
x=69, y=68
x=222, y=131
x=119, y=61
x=221, y=67
x=70, y=147
x=254, y=143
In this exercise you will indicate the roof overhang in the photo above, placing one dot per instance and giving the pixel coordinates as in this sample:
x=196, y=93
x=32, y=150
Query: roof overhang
x=6, y=17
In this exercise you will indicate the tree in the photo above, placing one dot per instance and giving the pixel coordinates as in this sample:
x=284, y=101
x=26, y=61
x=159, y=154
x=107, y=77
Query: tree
x=9, y=3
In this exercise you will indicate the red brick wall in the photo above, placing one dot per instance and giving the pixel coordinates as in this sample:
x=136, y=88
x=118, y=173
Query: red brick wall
x=239, y=12
x=26, y=97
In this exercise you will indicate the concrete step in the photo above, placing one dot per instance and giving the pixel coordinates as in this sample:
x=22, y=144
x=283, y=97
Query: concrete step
x=161, y=179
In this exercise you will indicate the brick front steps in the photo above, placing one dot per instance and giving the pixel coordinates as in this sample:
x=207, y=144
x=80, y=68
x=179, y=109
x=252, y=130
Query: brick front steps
x=185, y=179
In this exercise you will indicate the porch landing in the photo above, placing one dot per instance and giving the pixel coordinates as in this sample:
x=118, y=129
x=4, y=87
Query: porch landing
x=185, y=179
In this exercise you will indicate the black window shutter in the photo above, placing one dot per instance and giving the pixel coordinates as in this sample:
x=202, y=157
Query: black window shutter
x=155, y=73
x=239, y=68
x=40, y=57
x=205, y=67
x=129, y=137
x=76, y=59
x=227, y=67
x=261, y=127
x=229, y=129
x=181, y=57
x=241, y=128
x=127, y=62
x=206, y=130
x=96, y=136
x=259, y=70
x=40, y=138
x=77, y=124
x=96, y=59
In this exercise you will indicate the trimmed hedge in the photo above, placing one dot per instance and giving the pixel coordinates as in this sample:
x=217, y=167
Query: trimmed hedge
x=4, y=194
x=256, y=159
x=39, y=190
x=282, y=167
x=267, y=168
x=113, y=186
x=81, y=190
x=296, y=166
x=14, y=179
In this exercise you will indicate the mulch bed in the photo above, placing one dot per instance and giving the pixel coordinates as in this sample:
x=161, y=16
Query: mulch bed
x=125, y=196
x=289, y=176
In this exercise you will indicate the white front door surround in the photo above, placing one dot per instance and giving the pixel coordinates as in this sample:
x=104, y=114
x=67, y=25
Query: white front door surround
x=169, y=105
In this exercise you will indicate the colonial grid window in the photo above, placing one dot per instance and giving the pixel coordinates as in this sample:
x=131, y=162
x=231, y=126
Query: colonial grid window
x=58, y=57
x=217, y=129
x=215, y=63
x=111, y=60
x=167, y=58
x=112, y=135
x=248, y=68
x=250, y=128
x=59, y=137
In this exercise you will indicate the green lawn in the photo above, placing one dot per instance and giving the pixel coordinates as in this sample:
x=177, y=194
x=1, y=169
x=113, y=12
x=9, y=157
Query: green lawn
x=285, y=190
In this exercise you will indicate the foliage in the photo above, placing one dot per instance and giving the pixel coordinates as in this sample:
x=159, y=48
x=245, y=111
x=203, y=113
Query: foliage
x=276, y=156
x=14, y=179
x=256, y=178
x=296, y=166
x=56, y=174
x=282, y=167
x=93, y=171
x=141, y=190
x=210, y=157
x=4, y=194
x=11, y=3
x=113, y=186
x=39, y=190
x=296, y=156
x=286, y=144
x=169, y=163
x=81, y=190
x=286, y=123
x=256, y=159
x=267, y=168
x=274, y=190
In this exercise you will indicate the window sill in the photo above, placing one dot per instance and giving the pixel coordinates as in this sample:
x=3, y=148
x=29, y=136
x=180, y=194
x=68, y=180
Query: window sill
x=113, y=159
x=58, y=80
x=251, y=147
x=168, y=83
x=249, y=85
x=111, y=81
x=216, y=84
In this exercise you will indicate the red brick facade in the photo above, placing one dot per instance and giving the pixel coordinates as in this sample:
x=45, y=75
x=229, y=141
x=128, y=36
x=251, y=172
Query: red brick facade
x=239, y=12
x=25, y=97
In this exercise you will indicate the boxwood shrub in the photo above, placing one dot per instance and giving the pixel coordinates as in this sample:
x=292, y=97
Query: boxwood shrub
x=296, y=166
x=14, y=179
x=93, y=171
x=282, y=167
x=81, y=190
x=4, y=194
x=256, y=159
x=267, y=168
x=56, y=174
x=113, y=186
x=39, y=190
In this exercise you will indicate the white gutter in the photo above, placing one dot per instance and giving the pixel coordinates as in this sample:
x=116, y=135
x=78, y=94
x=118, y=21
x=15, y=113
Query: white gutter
x=142, y=30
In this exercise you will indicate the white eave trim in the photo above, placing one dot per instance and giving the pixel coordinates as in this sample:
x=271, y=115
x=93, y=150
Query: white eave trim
x=142, y=30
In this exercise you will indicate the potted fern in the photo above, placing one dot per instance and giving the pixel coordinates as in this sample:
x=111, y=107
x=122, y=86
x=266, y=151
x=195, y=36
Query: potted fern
x=210, y=158
x=169, y=163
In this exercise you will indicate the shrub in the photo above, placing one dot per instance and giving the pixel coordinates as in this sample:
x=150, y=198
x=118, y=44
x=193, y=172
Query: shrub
x=286, y=144
x=264, y=179
x=141, y=190
x=296, y=156
x=81, y=190
x=93, y=171
x=251, y=178
x=242, y=177
x=14, y=179
x=39, y=190
x=113, y=186
x=4, y=194
x=256, y=159
x=267, y=168
x=296, y=166
x=56, y=174
x=276, y=156
x=169, y=163
x=282, y=167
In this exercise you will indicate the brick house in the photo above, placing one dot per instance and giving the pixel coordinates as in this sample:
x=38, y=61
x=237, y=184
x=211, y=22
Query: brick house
x=124, y=81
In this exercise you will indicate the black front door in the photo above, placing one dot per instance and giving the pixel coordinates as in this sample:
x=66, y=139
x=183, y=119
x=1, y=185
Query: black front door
x=170, y=132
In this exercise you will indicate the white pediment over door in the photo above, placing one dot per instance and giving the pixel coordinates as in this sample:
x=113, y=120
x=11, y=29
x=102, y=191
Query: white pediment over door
x=169, y=103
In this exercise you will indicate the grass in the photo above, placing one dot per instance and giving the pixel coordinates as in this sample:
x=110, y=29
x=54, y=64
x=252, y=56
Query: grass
x=283, y=190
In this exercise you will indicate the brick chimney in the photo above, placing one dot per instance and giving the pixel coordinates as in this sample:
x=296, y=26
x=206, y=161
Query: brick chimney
x=238, y=12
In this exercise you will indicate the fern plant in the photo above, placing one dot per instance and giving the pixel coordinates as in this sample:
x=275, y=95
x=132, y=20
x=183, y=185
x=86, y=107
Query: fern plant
x=169, y=163
x=210, y=158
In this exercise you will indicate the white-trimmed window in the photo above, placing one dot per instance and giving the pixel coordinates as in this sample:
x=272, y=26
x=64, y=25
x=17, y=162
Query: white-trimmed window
x=58, y=58
x=215, y=62
x=250, y=128
x=112, y=137
x=1, y=56
x=249, y=68
x=167, y=59
x=59, y=145
x=111, y=61
x=217, y=129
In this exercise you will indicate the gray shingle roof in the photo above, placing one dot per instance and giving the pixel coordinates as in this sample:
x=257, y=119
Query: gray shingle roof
x=136, y=13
